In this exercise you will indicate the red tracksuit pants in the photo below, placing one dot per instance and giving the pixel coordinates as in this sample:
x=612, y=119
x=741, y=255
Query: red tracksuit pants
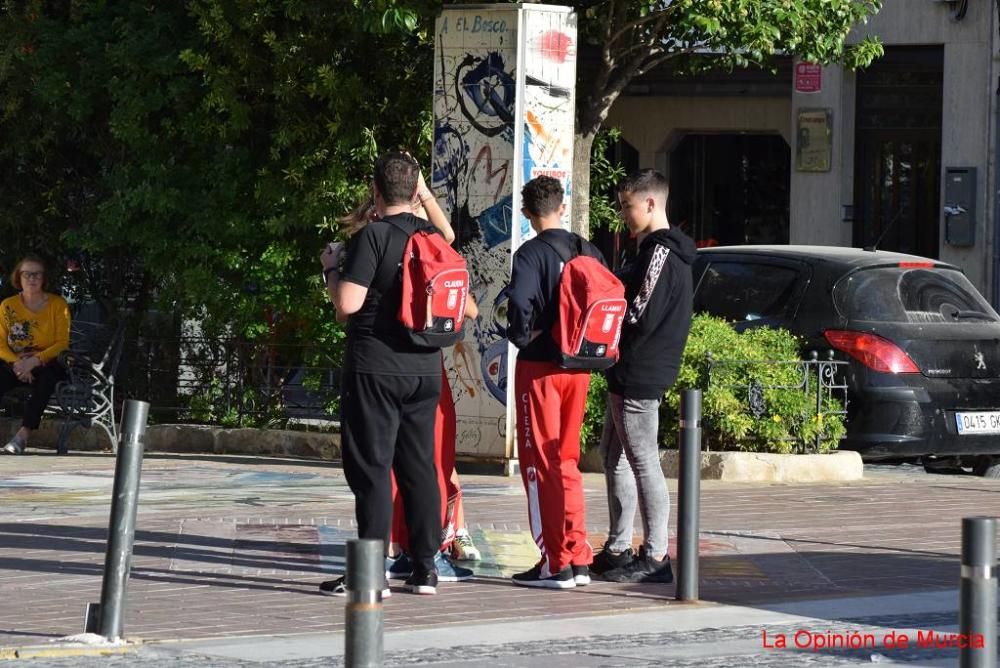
x=444, y=460
x=550, y=407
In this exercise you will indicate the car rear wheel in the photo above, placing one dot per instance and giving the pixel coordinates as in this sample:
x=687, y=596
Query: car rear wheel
x=989, y=467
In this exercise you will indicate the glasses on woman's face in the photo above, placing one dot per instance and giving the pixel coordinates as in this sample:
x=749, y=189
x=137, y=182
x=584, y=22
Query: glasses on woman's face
x=32, y=275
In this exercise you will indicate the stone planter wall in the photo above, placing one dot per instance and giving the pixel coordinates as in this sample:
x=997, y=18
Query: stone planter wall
x=189, y=438
x=756, y=466
x=185, y=438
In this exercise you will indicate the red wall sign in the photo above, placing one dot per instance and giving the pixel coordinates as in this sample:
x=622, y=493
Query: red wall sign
x=808, y=78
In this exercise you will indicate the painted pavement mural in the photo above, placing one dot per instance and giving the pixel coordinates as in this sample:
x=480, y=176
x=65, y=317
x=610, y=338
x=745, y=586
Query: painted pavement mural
x=485, y=107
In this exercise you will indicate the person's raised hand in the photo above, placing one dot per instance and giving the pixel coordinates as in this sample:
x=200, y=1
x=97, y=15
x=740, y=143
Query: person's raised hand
x=330, y=257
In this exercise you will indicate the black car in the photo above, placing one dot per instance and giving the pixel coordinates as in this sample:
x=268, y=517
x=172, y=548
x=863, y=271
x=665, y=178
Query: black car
x=923, y=344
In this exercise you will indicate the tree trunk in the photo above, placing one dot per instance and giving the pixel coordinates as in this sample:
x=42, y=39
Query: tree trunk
x=583, y=141
x=593, y=103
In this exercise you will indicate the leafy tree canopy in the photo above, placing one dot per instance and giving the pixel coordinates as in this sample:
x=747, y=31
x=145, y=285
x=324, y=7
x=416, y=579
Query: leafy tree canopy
x=193, y=156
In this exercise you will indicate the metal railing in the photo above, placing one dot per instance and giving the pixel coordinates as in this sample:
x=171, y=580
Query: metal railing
x=823, y=380
x=231, y=381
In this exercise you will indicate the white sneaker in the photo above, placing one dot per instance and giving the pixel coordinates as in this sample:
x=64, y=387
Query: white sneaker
x=15, y=446
x=463, y=549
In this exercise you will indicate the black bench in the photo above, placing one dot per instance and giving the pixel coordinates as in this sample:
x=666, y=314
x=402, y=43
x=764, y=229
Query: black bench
x=87, y=397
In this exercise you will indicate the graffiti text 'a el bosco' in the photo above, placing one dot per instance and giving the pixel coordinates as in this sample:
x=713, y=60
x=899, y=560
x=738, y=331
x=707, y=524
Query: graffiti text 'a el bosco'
x=477, y=24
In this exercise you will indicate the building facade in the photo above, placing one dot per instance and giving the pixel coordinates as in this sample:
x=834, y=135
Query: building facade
x=901, y=155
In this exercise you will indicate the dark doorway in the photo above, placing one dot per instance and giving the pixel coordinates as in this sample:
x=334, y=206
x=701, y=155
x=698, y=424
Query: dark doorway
x=730, y=189
x=897, y=149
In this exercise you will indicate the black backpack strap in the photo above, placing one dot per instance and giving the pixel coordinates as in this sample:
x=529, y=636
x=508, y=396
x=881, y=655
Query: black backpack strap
x=565, y=249
x=416, y=225
x=399, y=226
x=408, y=226
x=389, y=272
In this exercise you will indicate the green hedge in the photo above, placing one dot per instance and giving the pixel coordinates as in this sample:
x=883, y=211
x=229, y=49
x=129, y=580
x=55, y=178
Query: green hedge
x=789, y=422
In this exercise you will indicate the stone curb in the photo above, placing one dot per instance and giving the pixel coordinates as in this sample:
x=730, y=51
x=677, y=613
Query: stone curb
x=188, y=438
x=757, y=466
x=9, y=653
x=185, y=438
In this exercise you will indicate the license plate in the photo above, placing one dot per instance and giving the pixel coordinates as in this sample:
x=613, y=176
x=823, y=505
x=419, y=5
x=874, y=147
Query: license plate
x=983, y=422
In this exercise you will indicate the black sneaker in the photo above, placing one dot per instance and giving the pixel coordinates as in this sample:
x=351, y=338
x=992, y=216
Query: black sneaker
x=399, y=568
x=533, y=578
x=423, y=583
x=338, y=587
x=581, y=575
x=643, y=568
x=606, y=560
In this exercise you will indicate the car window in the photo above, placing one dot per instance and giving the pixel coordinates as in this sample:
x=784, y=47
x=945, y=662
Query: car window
x=912, y=295
x=739, y=291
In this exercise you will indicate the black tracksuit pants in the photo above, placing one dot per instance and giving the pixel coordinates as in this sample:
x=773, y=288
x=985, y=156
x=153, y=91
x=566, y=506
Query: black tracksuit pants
x=387, y=424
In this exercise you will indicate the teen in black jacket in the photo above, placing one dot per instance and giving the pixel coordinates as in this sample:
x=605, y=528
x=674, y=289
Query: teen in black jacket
x=659, y=292
x=658, y=289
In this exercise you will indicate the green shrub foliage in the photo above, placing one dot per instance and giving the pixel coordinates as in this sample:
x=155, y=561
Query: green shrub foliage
x=723, y=364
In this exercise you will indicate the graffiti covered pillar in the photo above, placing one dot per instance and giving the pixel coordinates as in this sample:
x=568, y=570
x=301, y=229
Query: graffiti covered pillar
x=504, y=98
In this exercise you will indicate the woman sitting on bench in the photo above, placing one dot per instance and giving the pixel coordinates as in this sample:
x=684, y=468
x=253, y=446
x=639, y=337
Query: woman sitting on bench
x=34, y=329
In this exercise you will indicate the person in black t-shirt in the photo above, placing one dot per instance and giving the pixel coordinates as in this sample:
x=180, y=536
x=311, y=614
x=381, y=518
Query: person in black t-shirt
x=390, y=387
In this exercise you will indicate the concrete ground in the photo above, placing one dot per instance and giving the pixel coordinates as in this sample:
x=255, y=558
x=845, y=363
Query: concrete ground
x=229, y=551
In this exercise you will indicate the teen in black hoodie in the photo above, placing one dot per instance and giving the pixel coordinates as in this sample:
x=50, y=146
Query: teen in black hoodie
x=658, y=287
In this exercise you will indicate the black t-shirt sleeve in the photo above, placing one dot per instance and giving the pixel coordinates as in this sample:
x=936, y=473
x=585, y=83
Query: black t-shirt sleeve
x=364, y=253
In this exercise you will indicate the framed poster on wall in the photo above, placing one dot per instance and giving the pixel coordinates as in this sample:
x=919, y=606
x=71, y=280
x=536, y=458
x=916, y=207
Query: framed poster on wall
x=813, y=140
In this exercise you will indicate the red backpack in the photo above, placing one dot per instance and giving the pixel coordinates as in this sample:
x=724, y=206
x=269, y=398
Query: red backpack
x=592, y=307
x=435, y=285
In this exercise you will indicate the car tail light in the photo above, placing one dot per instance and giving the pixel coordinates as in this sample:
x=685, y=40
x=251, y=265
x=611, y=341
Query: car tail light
x=916, y=265
x=871, y=350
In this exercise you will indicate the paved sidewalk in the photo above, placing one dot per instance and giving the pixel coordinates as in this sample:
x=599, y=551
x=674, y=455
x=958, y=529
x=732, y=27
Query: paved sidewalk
x=234, y=547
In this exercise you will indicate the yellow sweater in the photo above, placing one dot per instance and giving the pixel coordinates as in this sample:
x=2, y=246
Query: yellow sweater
x=44, y=334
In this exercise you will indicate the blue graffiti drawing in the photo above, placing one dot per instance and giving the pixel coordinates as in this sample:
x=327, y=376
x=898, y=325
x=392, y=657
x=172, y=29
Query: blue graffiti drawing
x=493, y=354
x=528, y=164
x=493, y=364
x=490, y=91
x=494, y=222
x=450, y=161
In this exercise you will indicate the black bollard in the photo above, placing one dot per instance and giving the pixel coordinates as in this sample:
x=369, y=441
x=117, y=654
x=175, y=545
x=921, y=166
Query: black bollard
x=121, y=531
x=688, y=493
x=978, y=594
x=363, y=611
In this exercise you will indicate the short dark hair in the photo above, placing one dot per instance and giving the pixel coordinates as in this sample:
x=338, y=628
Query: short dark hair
x=645, y=181
x=15, y=276
x=396, y=176
x=542, y=195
